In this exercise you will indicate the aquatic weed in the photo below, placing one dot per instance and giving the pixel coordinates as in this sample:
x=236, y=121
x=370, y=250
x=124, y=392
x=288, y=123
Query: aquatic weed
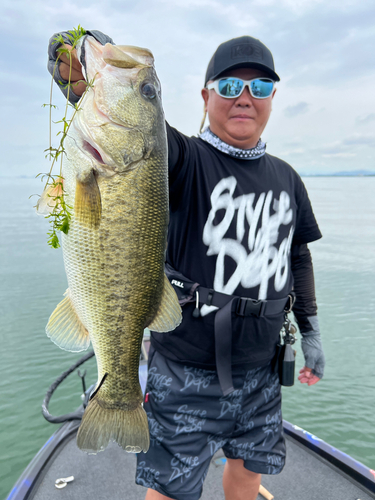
x=60, y=215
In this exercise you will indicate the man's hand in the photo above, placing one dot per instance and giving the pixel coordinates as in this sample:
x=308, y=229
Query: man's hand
x=306, y=376
x=76, y=73
x=61, y=73
x=312, y=349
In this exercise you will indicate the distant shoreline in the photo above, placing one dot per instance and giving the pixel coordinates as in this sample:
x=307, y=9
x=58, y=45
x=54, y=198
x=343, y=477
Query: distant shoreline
x=338, y=175
x=302, y=174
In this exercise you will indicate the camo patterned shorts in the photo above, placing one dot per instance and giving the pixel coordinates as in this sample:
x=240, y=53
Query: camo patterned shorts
x=190, y=420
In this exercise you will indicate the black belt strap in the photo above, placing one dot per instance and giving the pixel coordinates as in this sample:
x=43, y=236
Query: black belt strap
x=223, y=347
x=242, y=306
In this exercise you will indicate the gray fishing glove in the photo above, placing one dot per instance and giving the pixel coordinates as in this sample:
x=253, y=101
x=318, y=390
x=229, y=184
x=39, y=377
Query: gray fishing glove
x=52, y=57
x=312, y=348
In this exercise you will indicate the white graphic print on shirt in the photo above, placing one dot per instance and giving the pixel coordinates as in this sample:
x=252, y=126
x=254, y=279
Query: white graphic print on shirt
x=257, y=259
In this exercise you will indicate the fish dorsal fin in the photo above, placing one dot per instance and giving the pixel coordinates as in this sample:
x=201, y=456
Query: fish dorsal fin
x=169, y=314
x=87, y=204
x=116, y=57
x=65, y=328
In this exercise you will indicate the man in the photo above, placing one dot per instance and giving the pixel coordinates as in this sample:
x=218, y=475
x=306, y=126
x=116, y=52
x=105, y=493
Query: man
x=240, y=221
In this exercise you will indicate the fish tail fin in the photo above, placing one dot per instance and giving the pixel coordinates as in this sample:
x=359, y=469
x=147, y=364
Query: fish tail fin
x=99, y=426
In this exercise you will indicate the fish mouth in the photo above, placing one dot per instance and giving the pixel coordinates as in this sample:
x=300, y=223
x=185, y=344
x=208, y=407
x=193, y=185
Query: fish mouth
x=93, y=152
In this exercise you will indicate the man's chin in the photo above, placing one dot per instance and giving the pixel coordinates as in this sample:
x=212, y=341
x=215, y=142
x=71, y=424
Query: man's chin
x=239, y=135
x=243, y=139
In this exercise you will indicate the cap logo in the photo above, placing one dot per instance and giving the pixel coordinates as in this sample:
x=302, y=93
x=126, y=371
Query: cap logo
x=247, y=50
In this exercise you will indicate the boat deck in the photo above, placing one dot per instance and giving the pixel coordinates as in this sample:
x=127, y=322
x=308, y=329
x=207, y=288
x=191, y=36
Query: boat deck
x=110, y=475
x=314, y=470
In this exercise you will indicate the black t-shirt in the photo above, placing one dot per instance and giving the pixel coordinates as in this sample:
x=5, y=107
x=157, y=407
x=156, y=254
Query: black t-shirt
x=232, y=225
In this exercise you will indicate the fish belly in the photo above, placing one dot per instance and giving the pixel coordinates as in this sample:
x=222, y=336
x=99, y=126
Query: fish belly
x=115, y=274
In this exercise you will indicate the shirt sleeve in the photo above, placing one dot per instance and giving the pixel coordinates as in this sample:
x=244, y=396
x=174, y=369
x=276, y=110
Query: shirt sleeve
x=307, y=229
x=53, y=68
x=304, y=286
x=179, y=155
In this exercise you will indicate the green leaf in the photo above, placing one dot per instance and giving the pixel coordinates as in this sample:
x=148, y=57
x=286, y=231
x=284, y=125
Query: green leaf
x=54, y=241
x=58, y=39
x=65, y=226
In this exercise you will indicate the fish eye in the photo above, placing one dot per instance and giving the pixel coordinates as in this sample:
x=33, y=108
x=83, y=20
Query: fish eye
x=148, y=90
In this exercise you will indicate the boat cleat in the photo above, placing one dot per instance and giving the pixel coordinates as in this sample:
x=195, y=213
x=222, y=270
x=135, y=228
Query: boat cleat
x=63, y=481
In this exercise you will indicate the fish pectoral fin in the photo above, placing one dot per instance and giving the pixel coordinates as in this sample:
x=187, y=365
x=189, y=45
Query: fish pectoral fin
x=65, y=328
x=88, y=205
x=169, y=315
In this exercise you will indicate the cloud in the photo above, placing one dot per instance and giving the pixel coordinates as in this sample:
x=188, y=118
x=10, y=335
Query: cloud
x=346, y=147
x=364, y=120
x=298, y=109
x=326, y=43
x=360, y=140
x=338, y=155
x=321, y=51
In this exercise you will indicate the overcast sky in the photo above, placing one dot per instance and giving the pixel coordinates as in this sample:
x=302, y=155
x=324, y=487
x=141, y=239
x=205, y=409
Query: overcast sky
x=323, y=117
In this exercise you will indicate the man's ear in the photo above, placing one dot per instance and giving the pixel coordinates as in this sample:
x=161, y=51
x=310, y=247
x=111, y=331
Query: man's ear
x=274, y=92
x=205, y=94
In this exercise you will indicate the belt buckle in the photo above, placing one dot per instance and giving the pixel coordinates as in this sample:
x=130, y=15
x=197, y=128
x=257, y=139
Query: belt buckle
x=262, y=307
x=256, y=308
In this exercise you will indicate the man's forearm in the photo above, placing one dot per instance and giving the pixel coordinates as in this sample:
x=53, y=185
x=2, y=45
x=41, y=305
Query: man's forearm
x=304, y=287
x=305, y=310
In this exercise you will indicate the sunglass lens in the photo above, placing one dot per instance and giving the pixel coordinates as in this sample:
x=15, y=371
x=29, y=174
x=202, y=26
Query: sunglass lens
x=261, y=87
x=230, y=87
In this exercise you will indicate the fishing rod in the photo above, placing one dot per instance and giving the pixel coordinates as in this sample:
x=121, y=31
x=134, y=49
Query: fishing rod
x=75, y=415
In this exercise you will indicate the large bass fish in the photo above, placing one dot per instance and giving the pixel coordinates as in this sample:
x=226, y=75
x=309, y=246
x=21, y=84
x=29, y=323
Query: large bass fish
x=115, y=176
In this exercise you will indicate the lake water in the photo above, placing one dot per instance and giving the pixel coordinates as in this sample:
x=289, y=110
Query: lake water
x=339, y=409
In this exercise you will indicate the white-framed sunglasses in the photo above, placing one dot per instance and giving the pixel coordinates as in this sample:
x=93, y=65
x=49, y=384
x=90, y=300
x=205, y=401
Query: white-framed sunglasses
x=232, y=87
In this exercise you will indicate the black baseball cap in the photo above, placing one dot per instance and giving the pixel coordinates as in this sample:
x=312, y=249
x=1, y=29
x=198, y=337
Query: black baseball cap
x=241, y=52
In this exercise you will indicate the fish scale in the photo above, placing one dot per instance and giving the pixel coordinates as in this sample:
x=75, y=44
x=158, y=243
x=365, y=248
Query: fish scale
x=112, y=281
x=116, y=180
